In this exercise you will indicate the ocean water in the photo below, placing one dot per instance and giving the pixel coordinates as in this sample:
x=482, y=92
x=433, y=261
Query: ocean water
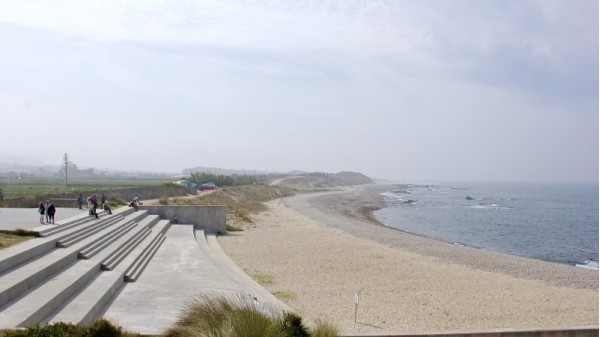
x=552, y=222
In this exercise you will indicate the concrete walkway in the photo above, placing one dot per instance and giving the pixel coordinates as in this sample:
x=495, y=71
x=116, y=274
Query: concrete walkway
x=29, y=218
x=176, y=273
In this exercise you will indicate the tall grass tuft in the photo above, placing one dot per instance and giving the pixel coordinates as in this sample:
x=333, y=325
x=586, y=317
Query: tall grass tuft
x=211, y=315
x=215, y=315
x=324, y=329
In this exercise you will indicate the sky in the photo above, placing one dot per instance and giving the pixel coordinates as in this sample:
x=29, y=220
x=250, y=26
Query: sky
x=495, y=90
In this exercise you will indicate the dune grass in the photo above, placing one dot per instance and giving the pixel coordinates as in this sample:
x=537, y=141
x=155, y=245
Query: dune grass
x=263, y=279
x=284, y=295
x=12, y=237
x=99, y=328
x=214, y=315
x=241, y=201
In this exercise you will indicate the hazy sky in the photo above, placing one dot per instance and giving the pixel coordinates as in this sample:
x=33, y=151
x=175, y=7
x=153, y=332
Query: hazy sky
x=406, y=90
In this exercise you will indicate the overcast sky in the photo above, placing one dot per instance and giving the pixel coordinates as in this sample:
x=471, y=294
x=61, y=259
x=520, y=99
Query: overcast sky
x=494, y=90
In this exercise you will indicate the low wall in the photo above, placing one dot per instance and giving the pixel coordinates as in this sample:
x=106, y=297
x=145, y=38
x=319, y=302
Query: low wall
x=578, y=331
x=209, y=218
x=558, y=332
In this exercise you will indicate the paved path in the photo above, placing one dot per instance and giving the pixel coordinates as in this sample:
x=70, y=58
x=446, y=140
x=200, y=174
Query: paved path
x=28, y=218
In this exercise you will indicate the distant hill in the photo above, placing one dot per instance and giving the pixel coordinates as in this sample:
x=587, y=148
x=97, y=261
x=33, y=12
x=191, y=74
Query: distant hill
x=325, y=180
x=228, y=172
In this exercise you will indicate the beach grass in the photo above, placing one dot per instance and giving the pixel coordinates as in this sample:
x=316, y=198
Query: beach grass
x=284, y=295
x=213, y=315
x=10, y=238
x=242, y=201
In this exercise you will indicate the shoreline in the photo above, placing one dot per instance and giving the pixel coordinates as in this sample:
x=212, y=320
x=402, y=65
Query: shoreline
x=318, y=258
x=335, y=204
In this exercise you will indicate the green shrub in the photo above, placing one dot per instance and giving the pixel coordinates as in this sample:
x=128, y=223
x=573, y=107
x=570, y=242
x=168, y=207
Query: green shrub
x=99, y=328
x=20, y=232
x=103, y=328
x=59, y=329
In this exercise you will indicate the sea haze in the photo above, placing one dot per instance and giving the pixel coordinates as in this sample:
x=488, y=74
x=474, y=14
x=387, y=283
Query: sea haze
x=552, y=222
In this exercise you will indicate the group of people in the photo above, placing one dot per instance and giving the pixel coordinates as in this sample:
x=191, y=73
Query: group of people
x=48, y=210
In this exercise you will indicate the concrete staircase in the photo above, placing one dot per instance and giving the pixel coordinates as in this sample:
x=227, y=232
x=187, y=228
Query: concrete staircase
x=75, y=268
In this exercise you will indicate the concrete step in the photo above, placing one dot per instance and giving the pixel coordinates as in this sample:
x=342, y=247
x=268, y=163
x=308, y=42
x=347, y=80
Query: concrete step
x=83, y=233
x=89, y=304
x=137, y=267
x=13, y=257
x=127, y=246
x=19, y=280
x=38, y=303
x=107, y=240
x=76, y=236
x=27, y=251
x=49, y=230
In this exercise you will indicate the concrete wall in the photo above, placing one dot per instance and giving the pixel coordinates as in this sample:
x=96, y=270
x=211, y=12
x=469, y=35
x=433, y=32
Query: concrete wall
x=579, y=331
x=550, y=332
x=209, y=218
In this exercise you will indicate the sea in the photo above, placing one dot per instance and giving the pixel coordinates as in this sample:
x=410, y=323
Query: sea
x=551, y=222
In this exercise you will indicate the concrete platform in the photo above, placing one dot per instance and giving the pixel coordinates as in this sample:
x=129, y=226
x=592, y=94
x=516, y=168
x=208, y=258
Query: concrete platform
x=29, y=218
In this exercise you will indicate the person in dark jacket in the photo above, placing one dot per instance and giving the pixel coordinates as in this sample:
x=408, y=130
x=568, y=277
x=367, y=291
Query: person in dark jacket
x=51, y=211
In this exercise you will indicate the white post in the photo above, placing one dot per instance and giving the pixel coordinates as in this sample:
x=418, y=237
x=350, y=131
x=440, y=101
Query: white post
x=356, y=302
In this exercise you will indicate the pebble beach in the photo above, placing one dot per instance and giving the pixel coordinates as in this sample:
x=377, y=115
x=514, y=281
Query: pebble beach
x=316, y=251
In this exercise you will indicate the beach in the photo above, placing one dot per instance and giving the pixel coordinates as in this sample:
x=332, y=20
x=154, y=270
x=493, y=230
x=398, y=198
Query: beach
x=320, y=249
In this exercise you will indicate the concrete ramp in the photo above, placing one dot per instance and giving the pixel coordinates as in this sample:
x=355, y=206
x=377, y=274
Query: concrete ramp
x=183, y=268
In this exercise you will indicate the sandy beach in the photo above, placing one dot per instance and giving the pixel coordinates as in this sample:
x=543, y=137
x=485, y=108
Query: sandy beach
x=319, y=251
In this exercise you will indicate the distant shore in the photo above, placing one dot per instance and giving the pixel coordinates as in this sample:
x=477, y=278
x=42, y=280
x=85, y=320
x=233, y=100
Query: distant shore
x=322, y=248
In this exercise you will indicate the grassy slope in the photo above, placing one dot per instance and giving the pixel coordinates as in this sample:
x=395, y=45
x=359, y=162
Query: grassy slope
x=241, y=201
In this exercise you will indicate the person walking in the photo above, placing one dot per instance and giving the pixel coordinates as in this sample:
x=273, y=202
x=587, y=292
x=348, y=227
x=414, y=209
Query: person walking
x=41, y=210
x=102, y=200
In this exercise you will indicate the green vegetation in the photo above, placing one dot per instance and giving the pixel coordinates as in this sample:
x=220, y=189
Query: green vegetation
x=241, y=201
x=231, y=180
x=208, y=315
x=99, y=328
x=27, y=192
x=212, y=315
x=284, y=295
x=12, y=237
x=263, y=279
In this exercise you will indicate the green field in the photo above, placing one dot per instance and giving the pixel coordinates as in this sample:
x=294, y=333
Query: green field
x=32, y=187
x=27, y=192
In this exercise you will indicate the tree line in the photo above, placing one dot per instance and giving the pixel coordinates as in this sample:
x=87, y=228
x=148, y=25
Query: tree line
x=230, y=180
